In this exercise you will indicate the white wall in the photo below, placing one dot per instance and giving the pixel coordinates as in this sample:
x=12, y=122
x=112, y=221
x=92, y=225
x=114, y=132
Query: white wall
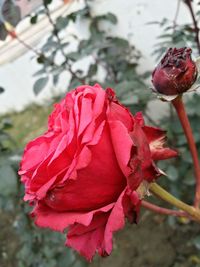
x=133, y=15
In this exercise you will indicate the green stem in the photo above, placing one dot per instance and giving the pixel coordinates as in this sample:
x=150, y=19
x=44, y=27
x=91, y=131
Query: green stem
x=164, y=195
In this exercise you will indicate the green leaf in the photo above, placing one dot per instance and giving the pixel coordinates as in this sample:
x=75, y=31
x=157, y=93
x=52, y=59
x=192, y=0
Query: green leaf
x=92, y=70
x=6, y=123
x=1, y=89
x=8, y=180
x=61, y=23
x=196, y=242
x=189, y=180
x=74, y=83
x=74, y=56
x=111, y=17
x=172, y=173
x=47, y=2
x=39, y=72
x=84, y=12
x=41, y=59
x=33, y=19
x=133, y=99
x=40, y=84
x=56, y=78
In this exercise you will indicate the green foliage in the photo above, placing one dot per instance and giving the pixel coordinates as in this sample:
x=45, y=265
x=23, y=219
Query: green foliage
x=8, y=179
x=40, y=84
x=35, y=247
x=113, y=55
x=118, y=59
x=33, y=19
x=1, y=89
x=173, y=35
x=43, y=248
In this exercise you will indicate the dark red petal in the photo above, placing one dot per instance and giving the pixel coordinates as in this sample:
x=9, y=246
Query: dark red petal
x=157, y=139
x=141, y=162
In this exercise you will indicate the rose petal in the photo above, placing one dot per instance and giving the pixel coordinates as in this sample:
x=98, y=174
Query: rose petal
x=115, y=222
x=88, y=239
x=58, y=221
x=85, y=114
x=98, y=184
x=97, y=236
x=122, y=145
x=157, y=139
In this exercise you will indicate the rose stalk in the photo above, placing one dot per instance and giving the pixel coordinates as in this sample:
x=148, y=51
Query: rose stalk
x=163, y=194
x=173, y=76
x=180, y=109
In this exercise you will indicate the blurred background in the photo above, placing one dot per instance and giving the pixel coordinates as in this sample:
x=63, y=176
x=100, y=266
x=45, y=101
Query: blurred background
x=48, y=47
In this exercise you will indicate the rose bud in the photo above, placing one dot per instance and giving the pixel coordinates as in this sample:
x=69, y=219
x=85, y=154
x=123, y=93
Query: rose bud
x=176, y=72
x=86, y=171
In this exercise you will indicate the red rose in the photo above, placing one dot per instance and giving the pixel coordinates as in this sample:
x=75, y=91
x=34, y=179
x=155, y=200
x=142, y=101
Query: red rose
x=176, y=72
x=84, y=172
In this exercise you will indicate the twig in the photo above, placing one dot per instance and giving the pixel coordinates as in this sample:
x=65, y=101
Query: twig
x=176, y=15
x=28, y=46
x=196, y=28
x=55, y=32
x=37, y=52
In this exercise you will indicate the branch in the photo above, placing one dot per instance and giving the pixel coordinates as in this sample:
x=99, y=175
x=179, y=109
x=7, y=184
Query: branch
x=196, y=28
x=176, y=15
x=37, y=52
x=55, y=32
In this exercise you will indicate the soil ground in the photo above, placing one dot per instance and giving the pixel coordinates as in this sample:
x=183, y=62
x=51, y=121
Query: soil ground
x=151, y=243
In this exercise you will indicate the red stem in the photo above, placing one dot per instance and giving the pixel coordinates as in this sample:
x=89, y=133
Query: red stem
x=162, y=210
x=180, y=109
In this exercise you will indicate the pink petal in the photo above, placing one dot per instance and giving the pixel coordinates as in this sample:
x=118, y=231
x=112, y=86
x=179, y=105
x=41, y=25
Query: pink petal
x=117, y=112
x=59, y=221
x=97, y=236
x=88, y=239
x=122, y=145
x=85, y=114
x=115, y=222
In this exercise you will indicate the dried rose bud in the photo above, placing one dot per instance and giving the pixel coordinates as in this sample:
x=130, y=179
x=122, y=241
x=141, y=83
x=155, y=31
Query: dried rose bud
x=175, y=73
